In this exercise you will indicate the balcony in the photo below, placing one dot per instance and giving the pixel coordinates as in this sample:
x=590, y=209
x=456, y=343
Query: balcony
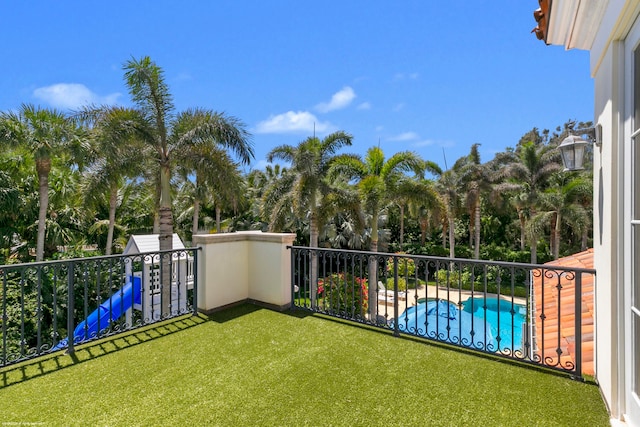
x=429, y=350
x=249, y=366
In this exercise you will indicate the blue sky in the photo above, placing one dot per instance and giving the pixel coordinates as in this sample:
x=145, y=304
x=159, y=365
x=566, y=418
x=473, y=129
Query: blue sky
x=429, y=76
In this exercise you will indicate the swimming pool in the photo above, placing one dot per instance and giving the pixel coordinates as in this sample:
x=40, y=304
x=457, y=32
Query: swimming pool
x=491, y=323
x=502, y=322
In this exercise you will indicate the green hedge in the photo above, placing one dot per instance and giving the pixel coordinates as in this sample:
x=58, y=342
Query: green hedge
x=457, y=280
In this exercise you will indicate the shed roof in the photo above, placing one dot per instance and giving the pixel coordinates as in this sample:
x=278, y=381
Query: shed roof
x=142, y=243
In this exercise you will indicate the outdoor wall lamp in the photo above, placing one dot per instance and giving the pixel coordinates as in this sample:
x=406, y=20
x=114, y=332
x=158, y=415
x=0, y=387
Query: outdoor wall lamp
x=573, y=146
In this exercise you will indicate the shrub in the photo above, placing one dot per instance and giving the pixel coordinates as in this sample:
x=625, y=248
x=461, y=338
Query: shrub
x=456, y=279
x=406, y=266
x=453, y=278
x=344, y=294
x=402, y=284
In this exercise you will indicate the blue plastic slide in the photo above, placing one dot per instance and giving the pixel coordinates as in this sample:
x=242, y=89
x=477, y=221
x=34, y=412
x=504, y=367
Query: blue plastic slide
x=109, y=311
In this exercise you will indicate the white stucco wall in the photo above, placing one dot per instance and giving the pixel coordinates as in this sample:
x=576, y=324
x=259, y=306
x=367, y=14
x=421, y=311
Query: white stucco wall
x=612, y=258
x=617, y=19
x=223, y=262
x=236, y=267
x=270, y=255
x=606, y=199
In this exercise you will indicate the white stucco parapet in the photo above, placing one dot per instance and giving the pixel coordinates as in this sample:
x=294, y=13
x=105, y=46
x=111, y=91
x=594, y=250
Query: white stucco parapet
x=244, y=266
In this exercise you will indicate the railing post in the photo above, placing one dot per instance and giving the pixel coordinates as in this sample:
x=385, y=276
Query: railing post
x=4, y=317
x=70, y=308
x=313, y=274
x=578, y=326
x=396, y=328
x=194, y=273
x=293, y=279
x=39, y=312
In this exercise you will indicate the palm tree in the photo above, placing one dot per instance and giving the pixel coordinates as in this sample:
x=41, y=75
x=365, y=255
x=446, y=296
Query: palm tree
x=429, y=211
x=304, y=187
x=563, y=200
x=166, y=133
x=18, y=164
x=277, y=201
x=10, y=204
x=215, y=173
x=136, y=207
x=408, y=191
x=405, y=192
x=67, y=215
x=45, y=133
x=417, y=194
x=117, y=155
x=475, y=183
x=376, y=178
x=229, y=190
x=259, y=180
x=449, y=185
x=215, y=177
x=254, y=215
x=345, y=231
x=526, y=173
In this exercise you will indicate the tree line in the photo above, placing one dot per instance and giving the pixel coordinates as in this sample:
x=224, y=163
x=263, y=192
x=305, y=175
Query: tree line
x=81, y=182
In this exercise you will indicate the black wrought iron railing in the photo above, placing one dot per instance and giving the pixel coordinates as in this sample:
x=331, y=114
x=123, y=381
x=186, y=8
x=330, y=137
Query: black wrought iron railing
x=50, y=306
x=527, y=312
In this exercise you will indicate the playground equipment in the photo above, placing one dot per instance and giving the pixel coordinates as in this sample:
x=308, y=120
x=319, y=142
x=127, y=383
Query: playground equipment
x=142, y=290
x=112, y=309
x=150, y=271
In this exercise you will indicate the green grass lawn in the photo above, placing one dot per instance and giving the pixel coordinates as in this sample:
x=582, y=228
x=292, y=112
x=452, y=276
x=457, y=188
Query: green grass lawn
x=249, y=366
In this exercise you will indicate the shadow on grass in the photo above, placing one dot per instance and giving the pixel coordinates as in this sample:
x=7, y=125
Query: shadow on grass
x=234, y=312
x=56, y=361
x=303, y=313
x=246, y=308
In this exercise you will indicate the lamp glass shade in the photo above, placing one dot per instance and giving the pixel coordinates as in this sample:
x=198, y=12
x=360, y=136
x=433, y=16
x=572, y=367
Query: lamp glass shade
x=572, y=152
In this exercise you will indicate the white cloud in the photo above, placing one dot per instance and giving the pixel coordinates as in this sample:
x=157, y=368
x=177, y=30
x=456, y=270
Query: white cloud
x=398, y=107
x=72, y=96
x=289, y=122
x=339, y=100
x=364, y=106
x=405, y=136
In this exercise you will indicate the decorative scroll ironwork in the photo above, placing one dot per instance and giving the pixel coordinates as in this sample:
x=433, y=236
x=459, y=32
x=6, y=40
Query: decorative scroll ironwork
x=52, y=306
x=486, y=306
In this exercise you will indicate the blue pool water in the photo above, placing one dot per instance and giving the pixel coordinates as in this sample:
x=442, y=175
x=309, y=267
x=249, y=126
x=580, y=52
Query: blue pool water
x=500, y=319
x=490, y=324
